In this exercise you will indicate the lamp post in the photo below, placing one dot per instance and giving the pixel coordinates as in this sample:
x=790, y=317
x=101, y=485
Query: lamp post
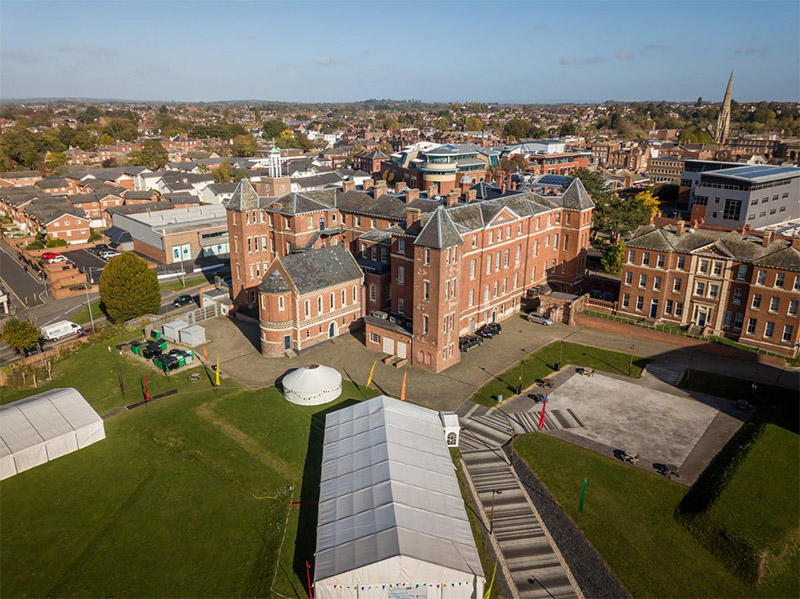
x=491, y=513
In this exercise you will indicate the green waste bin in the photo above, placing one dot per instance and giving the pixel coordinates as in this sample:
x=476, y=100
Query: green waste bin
x=156, y=334
x=163, y=345
x=181, y=360
x=135, y=349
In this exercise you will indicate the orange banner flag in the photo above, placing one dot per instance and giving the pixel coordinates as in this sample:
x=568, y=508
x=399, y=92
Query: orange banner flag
x=403, y=388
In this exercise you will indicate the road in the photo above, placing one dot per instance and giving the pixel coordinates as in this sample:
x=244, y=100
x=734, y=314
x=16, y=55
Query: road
x=25, y=288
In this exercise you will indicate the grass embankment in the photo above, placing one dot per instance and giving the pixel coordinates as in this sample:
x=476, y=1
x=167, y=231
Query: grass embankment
x=187, y=496
x=82, y=315
x=745, y=507
x=179, y=284
x=542, y=362
x=733, y=534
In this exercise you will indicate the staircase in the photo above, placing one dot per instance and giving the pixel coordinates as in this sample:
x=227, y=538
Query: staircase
x=535, y=569
x=668, y=372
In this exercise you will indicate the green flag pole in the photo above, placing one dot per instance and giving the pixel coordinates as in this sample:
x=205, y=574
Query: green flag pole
x=583, y=495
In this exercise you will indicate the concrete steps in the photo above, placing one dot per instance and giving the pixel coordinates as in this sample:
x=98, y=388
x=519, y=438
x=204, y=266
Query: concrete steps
x=535, y=568
x=668, y=372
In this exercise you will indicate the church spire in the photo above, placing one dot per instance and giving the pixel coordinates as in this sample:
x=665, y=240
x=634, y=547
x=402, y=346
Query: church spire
x=724, y=119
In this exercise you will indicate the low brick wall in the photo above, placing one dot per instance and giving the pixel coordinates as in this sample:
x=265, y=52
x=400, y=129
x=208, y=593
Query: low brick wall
x=622, y=328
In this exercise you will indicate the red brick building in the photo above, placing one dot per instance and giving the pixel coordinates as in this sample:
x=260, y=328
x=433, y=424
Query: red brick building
x=369, y=162
x=740, y=286
x=443, y=267
x=307, y=298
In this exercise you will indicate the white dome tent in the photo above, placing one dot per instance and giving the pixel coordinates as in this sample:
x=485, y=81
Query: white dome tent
x=312, y=385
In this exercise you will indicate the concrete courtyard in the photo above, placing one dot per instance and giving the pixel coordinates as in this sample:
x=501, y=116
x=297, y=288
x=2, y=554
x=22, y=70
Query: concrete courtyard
x=659, y=426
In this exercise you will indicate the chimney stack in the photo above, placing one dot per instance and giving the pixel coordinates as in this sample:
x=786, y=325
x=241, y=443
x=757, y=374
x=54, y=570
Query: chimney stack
x=680, y=227
x=380, y=187
x=412, y=194
x=796, y=241
x=767, y=239
x=367, y=184
x=472, y=195
x=400, y=186
x=452, y=197
x=348, y=185
x=412, y=216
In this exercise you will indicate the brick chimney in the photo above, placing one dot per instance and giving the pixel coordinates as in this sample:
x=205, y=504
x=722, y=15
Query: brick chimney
x=472, y=195
x=680, y=227
x=367, y=184
x=412, y=193
x=400, y=186
x=767, y=238
x=796, y=241
x=412, y=216
x=380, y=187
x=452, y=197
x=348, y=185
x=502, y=186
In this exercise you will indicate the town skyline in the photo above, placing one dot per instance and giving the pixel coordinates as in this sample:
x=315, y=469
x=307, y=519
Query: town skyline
x=303, y=53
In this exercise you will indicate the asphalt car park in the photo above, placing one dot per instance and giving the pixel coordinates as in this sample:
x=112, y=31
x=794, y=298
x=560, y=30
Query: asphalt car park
x=87, y=263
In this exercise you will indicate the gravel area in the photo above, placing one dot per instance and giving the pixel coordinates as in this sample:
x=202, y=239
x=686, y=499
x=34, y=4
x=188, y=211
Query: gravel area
x=593, y=575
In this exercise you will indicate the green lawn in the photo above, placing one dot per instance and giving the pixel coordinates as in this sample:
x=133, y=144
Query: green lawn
x=187, y=496
x=193, y=281
x=629, y=517
x=542, y=363
x=82, y=315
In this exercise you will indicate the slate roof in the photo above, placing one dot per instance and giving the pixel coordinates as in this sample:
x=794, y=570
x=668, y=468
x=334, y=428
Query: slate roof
x=19, y=174
x=17, y=196
x=297, y=203
x=329, y=178
x=313, y=270
x=137, y=195
x=743, y=248
x=374, y=155
x=439, y=232
x=244, y=198
x=576, y=197
x=46, y=210
x=387, y=205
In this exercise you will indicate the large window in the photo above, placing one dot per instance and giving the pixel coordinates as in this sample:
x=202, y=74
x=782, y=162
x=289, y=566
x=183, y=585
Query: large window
x=732, y=209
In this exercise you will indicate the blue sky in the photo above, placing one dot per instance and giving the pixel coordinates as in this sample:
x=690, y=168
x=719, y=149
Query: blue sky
x=450, y=51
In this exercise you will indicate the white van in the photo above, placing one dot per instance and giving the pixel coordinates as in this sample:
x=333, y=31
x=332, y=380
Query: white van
x=60, y=329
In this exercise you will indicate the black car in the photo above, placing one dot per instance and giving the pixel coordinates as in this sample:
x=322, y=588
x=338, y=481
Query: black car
x=101, y=247
x=489, y=330
x=467, y=342
x=182, y=300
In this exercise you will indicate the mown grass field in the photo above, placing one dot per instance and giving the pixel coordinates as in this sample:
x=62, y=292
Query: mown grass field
x=188, y=496
x=541, y=363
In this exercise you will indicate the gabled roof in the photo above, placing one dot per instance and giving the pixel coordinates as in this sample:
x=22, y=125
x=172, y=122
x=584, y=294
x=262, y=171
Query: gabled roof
x=274, y=282
x=576, y=197
x=244, y=198
x=315, y=269
x=388, y=490
x=439, y=232
x=297, y=203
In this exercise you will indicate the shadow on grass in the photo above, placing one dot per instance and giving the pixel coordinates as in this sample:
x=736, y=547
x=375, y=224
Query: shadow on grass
x=306, y=538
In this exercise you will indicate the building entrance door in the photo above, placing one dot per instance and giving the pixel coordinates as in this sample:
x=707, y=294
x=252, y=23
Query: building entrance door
x=287, y=342
x=332, y=330
x=401, y=349
x=388, y=345
x=702, y=315
x=653, y=308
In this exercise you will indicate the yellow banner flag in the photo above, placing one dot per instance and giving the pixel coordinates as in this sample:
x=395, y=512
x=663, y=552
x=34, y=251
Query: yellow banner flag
x=488, y=592
x=403, y=388
x=217, y=381
x=371, y=370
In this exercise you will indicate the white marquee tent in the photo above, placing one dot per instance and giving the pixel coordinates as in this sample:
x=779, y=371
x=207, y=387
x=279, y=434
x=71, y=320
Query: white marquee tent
x=392, y=522
x=44, y=427
x=312, y=385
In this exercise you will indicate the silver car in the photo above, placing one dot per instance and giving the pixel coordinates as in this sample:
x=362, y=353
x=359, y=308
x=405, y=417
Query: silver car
x=540, y=318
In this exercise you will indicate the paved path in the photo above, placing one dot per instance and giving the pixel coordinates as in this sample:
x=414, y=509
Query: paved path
x=24, y=287
x=535, y=566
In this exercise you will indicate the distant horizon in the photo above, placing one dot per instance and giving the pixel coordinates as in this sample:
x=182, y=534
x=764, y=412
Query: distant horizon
x=332, y=52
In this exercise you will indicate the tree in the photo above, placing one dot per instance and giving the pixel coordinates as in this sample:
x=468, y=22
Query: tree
x=56, y=159
x=647, y=201
x=272, y=128
x=568, y=128
x=222, y=174
x=21, y=334
x=472, y=123
x=120, y=128
x=517, y=128
x=613, y=255
x=514, y=163
x=244, y=145
x=389, y=123
x=128, y=288
x=152, y=155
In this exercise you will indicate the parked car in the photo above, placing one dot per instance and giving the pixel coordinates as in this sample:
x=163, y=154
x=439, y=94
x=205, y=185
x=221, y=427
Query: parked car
x=489, y=330
x=182, y=300
x=540, y=318
x=52, y=257
x=59, y=330
x=108, y=254
x=467, y=342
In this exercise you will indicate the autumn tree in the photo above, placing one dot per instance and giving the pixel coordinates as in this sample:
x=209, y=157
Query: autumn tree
x=244, y=145
x=272, y=128
x=153, y=155
x=613, y=255
x=21, y=334
x=222, y=174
